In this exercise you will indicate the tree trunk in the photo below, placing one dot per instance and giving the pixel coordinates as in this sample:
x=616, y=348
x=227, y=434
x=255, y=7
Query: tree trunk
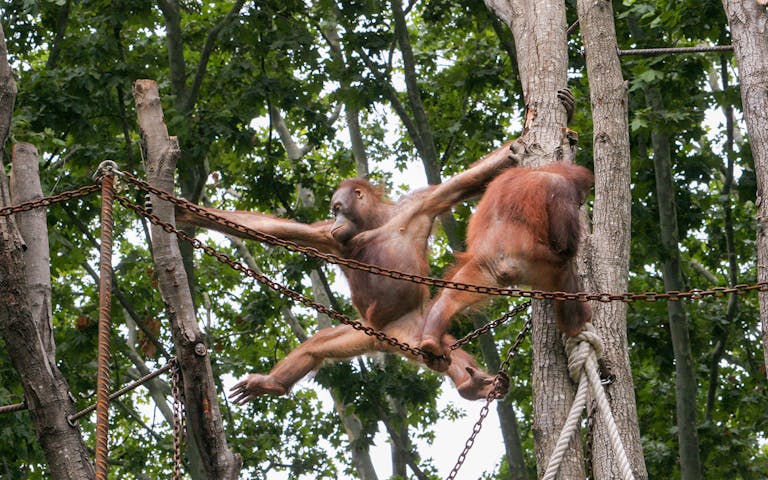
x=607, y=252
x=351, y=112
x=685, y=378
x=25, y=187
x=7, y=96
x=203, y=416
x=45, y=390
x=720, y=332
x=539, y=28
x=748, y=20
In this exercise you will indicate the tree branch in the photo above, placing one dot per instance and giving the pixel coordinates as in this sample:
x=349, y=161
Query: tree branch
x=176, y=62
x=205, y=55
x=61, y=28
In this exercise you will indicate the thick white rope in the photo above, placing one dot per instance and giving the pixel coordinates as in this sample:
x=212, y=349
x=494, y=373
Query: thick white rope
x=583, y=351
x=571, y=425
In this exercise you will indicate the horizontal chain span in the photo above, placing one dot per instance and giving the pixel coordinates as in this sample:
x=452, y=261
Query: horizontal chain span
x=695, y=294
x=47, y=201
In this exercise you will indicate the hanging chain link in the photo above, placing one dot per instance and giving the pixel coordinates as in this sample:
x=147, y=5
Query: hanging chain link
x=179, y=418
x=52, y=200
x=628, y=297
x=501, y=378
x=673, y=295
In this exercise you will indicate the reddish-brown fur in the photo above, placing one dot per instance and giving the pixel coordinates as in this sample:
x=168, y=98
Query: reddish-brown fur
x=525, y=231
x=375, y=231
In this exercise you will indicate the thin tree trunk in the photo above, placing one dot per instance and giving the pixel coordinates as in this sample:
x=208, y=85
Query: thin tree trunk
x=748, y=21
x=203, y=414
x=25, y=323
x=25, y=187
x=607, y=252
x=721, y=332
x=45, y=390
x=7, y=96
x=351, y=112
x=685, y=378
x=539, y=28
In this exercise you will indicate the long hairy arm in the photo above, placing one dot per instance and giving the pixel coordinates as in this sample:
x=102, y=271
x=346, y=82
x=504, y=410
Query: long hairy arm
x=316, y=235
x=471, y=182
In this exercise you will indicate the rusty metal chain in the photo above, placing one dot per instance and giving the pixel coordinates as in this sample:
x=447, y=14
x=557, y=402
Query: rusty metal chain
x=490, y=326
x=51, y=200
x=238, y=266
x=672, y=50
x=518, y=340
x=179, y=419
x=494, y=394
x=673, y=295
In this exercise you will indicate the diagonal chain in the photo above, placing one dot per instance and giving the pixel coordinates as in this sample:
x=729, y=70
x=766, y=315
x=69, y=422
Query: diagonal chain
x=490, y=325
x=501, y=377
x=51, y=200
x=238, y=266
x=141, y=381
x=673, y=295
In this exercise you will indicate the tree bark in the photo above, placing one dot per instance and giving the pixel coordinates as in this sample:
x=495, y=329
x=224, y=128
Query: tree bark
x=27, y=332
x=748, y=21
x=607, y=252
x=25, y=187
x=204, y=418
x=721, y=332
x=45, y=390
x=7, y=95
x=539, y=29
x=685, y=377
